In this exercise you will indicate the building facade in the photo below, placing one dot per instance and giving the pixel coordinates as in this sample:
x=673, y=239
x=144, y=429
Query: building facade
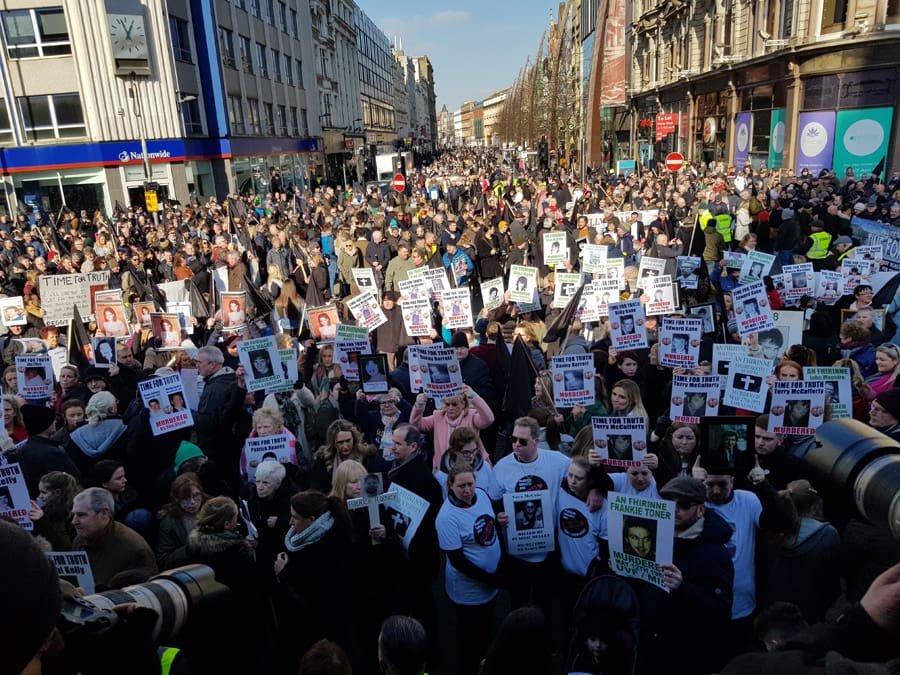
x=492, y=106
x=426, y=121
x=376, y=78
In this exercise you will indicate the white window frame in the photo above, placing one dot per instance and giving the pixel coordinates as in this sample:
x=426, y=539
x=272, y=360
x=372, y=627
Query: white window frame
x=38, y=43
x=54, y=124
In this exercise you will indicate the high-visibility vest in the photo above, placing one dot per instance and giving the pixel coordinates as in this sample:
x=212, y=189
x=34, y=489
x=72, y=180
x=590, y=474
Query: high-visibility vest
x=849, y=252
x=166, y=658
x=820, y=243
x=723, y=226
x=704, y=218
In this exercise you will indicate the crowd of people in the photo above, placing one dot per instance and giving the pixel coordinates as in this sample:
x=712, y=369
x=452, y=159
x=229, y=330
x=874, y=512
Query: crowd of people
x=770, y=569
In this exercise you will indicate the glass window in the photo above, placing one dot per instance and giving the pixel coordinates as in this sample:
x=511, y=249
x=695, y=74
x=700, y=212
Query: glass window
x=253, y=106
x=36, y=32
x=304, y=123
x=834, y=14
x=54, y=116
x=261, y=59
x=236, y=115
x=246, y=55
x=226, y=41
x=6, y=132
x=254, y=7
x=282, y=121
x=282, y=16
x=181, y=42
x=241, y=4
x=270, y=11
x=269, y=119
x=276, y=65
x=294, y=30
x=300, y=73
x=295, y=124
x=288, y=71
x=190, y=113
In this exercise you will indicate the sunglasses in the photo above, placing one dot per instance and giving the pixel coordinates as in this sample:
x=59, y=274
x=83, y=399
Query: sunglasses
x=520, y=441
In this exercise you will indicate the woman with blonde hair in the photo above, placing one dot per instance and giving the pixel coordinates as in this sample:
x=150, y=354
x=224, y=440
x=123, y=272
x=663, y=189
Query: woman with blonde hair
x=625, y=400
x=343, y=442
x=275, y=281
x=467, y=409
x=289, y=305
x=102, y=437
x=268, y=422
x=887, y=365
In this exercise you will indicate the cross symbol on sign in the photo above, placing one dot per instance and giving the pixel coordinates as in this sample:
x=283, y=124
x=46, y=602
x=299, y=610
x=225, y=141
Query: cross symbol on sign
x=748, y=382
x=372, y=504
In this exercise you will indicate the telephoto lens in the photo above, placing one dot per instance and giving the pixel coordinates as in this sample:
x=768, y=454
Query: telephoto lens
x=863, y=465
x=174, y=594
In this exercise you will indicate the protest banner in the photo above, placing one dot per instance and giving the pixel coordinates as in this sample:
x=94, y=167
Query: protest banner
x=565, y=287
x=416, y=367
x=15, y=503
x=234, y=310
x=522, y=283
x=856, y=272
x=756, y=266
x=60, y=291
x=829, y=286
x=492, y=293
x=367, y=311
x=723, y=355
x=365, y=280
x=661, y=294
x=457, y=308
x=262, y=365
x=626, y=323
x=838, y=388
x=883, y=235
x=649, y=269
x=260, y=448
x=414, y=289
x=620, y=441
x=799, y=280
x=555, y=250
x=441, y=374
x=798, y=407
x=407, y=511
x=12, y=310
x=746, y=384
x=752, y=310
x=593, y=258
x=349, y=343
x=679, y=342
x=641, y=536
x=373, y=373
x=573, y=380
x=166, y=401
x=687, y=276
x=605, y=291
x=530, y=528
x=436, y=280
x=874, y=253
x=694, y=397
x=729, y=441
x=323, y=322
x=103, y=351
x=288, y=359
x=34, y=376
x=615, y=269
x=74, y=567
x=417, y=317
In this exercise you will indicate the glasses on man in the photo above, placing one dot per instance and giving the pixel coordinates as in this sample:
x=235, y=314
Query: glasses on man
x=518, y=440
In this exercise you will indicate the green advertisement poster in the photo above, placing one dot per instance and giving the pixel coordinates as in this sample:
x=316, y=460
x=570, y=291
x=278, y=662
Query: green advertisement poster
x=776, y=138
x=861, y=139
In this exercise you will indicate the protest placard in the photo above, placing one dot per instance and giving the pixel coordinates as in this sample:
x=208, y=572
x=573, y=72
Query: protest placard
x=104, y=351
x=417, y=317
x=111, y=320
x=573, y=380
x=12, y=311
x=457, y=308
x=416, y=367
x=605, y=291
x=365, y=280
x=60, y=291
x=367, y=311
x=873, y=253
x=166, y=401
x=555, y=250
x=234, y=310
x=14, y=500
x=166, y=329
x=288, y=359
x=693, y=397
x=706, y=312
x=261, y=448
x=756, y=266
x=752, y=310
x=746, y=383
x=798, y=407
x=323, y=322
x=838, y=388
x=856, y=272
x=679, y=342
x=799, y=280
x=687, y=275
x=593, y=258
x=734, y=260
x=436, y=280
x=262, y=364
x=829, y=286
x=193, y=386
x=615, y=269
x=530, y=527
x=414, y=289
x=185, y=316
x=649, y=269
x=373, y=373
x=728, y=442
x=723, y=355
x=788, y=331
x=661, y=296
x=441, y=374
x=641, y=536
x=34, y=376
x=492, y=293
x=407, y=511
x=566, y=286
x=74, y=567
x=522, y=283
x=626, y=324
x=620, y=441
x=349, y=343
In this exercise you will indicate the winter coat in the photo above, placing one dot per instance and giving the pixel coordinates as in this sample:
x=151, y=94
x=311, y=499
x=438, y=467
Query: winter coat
x=230, y=558
x=91, y=443
x=171, y=545
x=392, y=335
x=117, y=549
x=576, y=344
x=38, y=456
x=475, y=373
x=397, y=270
x=270, y=540
x=217, y=413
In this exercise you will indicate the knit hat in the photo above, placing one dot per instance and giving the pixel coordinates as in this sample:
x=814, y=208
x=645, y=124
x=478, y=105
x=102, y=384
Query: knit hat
x=37, y=418
x=859, y=207
x=30, y=584
x=186, y=451
x=890, y=401
x=460, y=339
x=684, y=488
x=787, y=214
x=843, y=240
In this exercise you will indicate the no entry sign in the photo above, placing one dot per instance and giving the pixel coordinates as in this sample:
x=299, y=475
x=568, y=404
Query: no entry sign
x=399, y=182
x=674, y=161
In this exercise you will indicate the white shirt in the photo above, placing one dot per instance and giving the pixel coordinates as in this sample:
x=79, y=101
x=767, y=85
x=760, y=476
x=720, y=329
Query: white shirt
x=580, y=532
x=742, y=514
x=623, y=485
x=484, y=478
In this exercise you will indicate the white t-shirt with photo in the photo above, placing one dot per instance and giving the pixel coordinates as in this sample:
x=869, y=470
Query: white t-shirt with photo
x=579, y=532
x=474, y=530
x=623, y=485
x=484, y=478
x=742, y=514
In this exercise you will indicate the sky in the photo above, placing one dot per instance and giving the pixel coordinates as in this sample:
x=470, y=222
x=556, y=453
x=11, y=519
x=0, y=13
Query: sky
x=475, y=48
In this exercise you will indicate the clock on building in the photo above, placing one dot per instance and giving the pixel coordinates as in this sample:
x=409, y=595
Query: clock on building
x=128, y=36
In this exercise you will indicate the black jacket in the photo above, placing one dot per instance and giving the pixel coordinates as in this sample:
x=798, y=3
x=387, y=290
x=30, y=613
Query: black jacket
x=271, y=539
x=477, y=375
x=38, y=456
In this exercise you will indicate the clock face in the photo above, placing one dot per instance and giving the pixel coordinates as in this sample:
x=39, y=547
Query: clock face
x=128, y=36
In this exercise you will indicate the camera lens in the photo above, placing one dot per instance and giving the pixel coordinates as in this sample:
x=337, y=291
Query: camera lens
x=172, y=594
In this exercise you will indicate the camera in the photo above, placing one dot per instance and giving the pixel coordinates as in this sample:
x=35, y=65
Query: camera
x=860, y=464
x=173, y=595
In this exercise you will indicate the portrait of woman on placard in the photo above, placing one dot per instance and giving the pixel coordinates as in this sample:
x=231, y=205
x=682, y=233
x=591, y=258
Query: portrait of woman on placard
x=113, y=324
x=235, y=315
x=105, y=353
x=169, y=332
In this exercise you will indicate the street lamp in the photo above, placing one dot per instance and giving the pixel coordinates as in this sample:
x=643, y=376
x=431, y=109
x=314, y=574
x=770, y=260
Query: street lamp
x=137, y=110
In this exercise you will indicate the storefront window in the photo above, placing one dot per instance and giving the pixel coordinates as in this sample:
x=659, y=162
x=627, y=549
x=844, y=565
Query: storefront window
x=81, y=190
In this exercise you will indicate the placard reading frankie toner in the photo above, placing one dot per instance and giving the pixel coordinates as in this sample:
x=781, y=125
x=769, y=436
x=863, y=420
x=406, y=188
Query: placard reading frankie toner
x=679, y=342
x=798, y=408
x=620, y=441
x=164, y=397
x=60, y=291
x=262, y=364
x=838, y=389
x=626, y=323
x=641, y=536
x=530, y=527
x=694, y=397
x=573, y=380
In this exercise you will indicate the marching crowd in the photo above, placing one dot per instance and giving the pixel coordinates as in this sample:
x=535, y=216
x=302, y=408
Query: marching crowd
x=766, y=574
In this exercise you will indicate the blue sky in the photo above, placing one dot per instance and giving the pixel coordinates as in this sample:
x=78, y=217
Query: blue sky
x=474, y=47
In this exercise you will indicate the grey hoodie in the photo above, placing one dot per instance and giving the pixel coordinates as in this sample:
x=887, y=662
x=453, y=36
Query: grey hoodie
x=95, y=441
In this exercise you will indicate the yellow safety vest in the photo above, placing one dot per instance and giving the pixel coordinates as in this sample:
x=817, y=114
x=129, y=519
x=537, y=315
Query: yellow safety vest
x=166, y=658
x=723, y=226
x=704, y=218
x=846, y=253
x=819, y=248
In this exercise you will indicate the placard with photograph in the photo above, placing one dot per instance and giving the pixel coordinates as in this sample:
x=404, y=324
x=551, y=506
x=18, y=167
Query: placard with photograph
x=417, y=317
x=752, y=310
x=414, y=289
x=661, y=296
x=492, y=293
x=756, y=266
x=694, y=397
x=615, y=269
x=457, y=308
x=829, y=287
x=641, y=536
x=373, y=373
x=799, y=280
x=289, y=367
x=367, y=311
x=728, y=443
x=587, y=310
x=185, y=315
x=15, y=503
x=788, y=331
x=798, y=407
x=74, y=567
x=167, y=335
x=626, y=324
x=567, y=284
x=436, y=279
x=870, y=253
x=143, y=312
x=365, y=280
x=838, y=388
x=606, y=291
x=856, y=272
x=573, y=380
x=679, y=343
x=323, y=322
x=530, y=527
x=555, y=250
x=417, y=367
x=34, y=376
x=262, y=448
x=262, y=364
x=650, y=269
x=234, y=310
x=687, y=275
x=706, y=312
x=746, y=384
x=522, y=283
x=111, y=321
x=441, y=374
x=593, y=258
x=104, y=351
x=165, y=399
x=620, y=441
x=349, y=343
x=13, y=311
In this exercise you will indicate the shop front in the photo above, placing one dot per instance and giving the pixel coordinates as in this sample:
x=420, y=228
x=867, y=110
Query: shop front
x=760, y=124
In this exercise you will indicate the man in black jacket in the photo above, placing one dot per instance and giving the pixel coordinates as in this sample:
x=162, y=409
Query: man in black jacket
x=39, y=455
x=475, y=372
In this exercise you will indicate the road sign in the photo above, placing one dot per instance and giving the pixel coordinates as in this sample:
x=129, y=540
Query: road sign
x=399, y=182
x=674, y=161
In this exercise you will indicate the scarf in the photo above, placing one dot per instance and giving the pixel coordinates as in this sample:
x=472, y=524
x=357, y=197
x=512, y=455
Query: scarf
x=297, y=541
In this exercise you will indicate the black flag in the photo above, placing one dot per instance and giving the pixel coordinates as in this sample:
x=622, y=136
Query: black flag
x=520, y=383
x=199, y=308
x=559, y=326
x=80, y=350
